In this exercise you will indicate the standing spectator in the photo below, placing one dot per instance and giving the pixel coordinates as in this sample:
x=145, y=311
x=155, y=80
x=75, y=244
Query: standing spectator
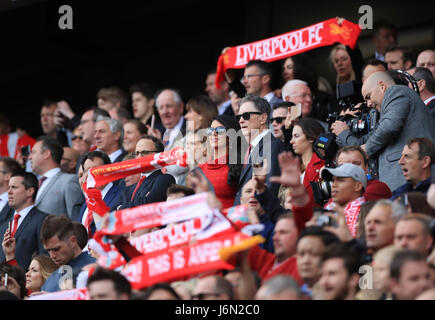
x=221, y=97
x=8, y=167
x=253, y=119
x=426, y=59
x=111, y=99
x=298, y=91
x=109, y=135
x=403, y=116
x=142, y=97
x=426, y=87
x=305, y=133
x=410, y=275
x=69, y=159
x=133, y=130
x=373, y=65
x=58, y=238
x=398, y=58
x=105, y=284
x=257, y=79
x=58, y=193
x=224, y=168
x=21, y=232
x=384, y=35
x=347, y=63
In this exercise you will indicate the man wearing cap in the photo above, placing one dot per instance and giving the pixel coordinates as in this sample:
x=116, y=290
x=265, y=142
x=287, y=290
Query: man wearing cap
x=348, y=184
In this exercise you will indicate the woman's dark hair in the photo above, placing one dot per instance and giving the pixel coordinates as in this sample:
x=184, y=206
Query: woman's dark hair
x=18, y=274
x=310, y=127
x=160, y=286
x=234, y=147
x=303, y=71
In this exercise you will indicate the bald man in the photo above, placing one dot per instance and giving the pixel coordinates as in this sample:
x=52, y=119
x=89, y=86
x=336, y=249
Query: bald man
x=426, y=59
x=403, y=116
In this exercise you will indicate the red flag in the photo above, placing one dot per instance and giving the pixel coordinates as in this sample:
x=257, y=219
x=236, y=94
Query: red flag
x=288, y=44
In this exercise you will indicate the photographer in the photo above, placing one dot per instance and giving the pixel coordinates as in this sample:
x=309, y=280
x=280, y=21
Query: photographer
x=403, y=115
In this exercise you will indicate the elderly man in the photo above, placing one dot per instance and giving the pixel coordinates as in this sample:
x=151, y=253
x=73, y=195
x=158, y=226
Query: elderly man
x=426, y=59
x=109, y=135
x=403, y=116
x=171, y=109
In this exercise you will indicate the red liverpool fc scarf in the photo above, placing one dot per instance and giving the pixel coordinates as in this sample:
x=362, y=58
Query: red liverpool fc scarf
x=288, y=44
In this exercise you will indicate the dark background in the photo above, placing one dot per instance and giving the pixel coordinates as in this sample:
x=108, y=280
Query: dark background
x=165, y=43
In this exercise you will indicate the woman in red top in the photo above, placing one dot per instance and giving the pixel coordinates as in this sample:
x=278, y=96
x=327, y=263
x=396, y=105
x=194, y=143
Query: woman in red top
x=305, y=133
x=223, y=172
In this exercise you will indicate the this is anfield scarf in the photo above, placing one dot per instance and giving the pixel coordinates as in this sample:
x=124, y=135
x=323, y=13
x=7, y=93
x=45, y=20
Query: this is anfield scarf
x=102, y=175
x=288, y=44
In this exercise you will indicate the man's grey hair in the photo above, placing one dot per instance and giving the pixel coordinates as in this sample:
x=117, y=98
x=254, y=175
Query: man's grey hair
x=288, y=88
x=260, y=103
x=115, y=126
x=176, y=94
x=398, y=210
x=426, y=75
x=279, y=284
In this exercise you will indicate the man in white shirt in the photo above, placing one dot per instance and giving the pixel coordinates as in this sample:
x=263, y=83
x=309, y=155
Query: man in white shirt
x=8, y=166
x=109, y=135
x=254, y=121
x=59, y=193
x=21, y=233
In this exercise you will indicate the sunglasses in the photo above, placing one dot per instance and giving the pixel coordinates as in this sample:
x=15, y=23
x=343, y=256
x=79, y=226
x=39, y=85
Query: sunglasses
x=277, y=119
x=246, y=115
x=76, y=137
x=219, y=130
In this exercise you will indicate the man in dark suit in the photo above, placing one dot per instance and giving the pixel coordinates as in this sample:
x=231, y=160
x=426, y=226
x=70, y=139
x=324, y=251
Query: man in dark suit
x=8, y=166
x=426, y=86
x=220, y=96
x=20, y=234
x=152, y=186
x=254, y=120
x=109, y=134
x=58, y=192
x=110, y=192
x=257, y=79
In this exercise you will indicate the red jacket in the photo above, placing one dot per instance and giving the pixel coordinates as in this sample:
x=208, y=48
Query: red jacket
x=312, y=173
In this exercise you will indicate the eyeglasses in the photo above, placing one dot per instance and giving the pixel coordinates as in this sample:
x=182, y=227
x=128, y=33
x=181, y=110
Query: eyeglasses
x=246, y=115
x=202, y=296
x=247, y=76
x=303, y=95
x=277, y=119
x=219, y=130
x=139, y=154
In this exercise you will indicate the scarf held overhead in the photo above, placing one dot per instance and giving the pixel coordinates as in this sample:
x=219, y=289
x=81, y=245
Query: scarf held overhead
x=288, y=44
x=102, y=175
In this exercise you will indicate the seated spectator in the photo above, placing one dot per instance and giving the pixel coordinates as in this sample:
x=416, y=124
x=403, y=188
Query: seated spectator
x=416, y=202
x=311, y=246
x=415, y=162
x=134, y=178
x=105, y=284
x=184, y=289
x=426, y=86
x=77, y=142
x=280, y=287
x=426, y=59
x=133, y=130
x=363, y=212
x=213, y=288
x=16, y=280
x=40, y=269
x=224, y=166
x=58, y=238
x=409, y=275
x=279, y=114
x=412, y=232
x=69, y=159
x=220, y=96
x=375, y=189
x=339, y=278
x=87, y=125
x=161, y=291
x=200, y=112
x=349, y=183
x=381, y=271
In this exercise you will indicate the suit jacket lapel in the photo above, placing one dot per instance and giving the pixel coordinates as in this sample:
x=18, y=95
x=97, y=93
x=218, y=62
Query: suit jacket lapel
x=25, y=222
x=256, y=151
x=48, y=187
